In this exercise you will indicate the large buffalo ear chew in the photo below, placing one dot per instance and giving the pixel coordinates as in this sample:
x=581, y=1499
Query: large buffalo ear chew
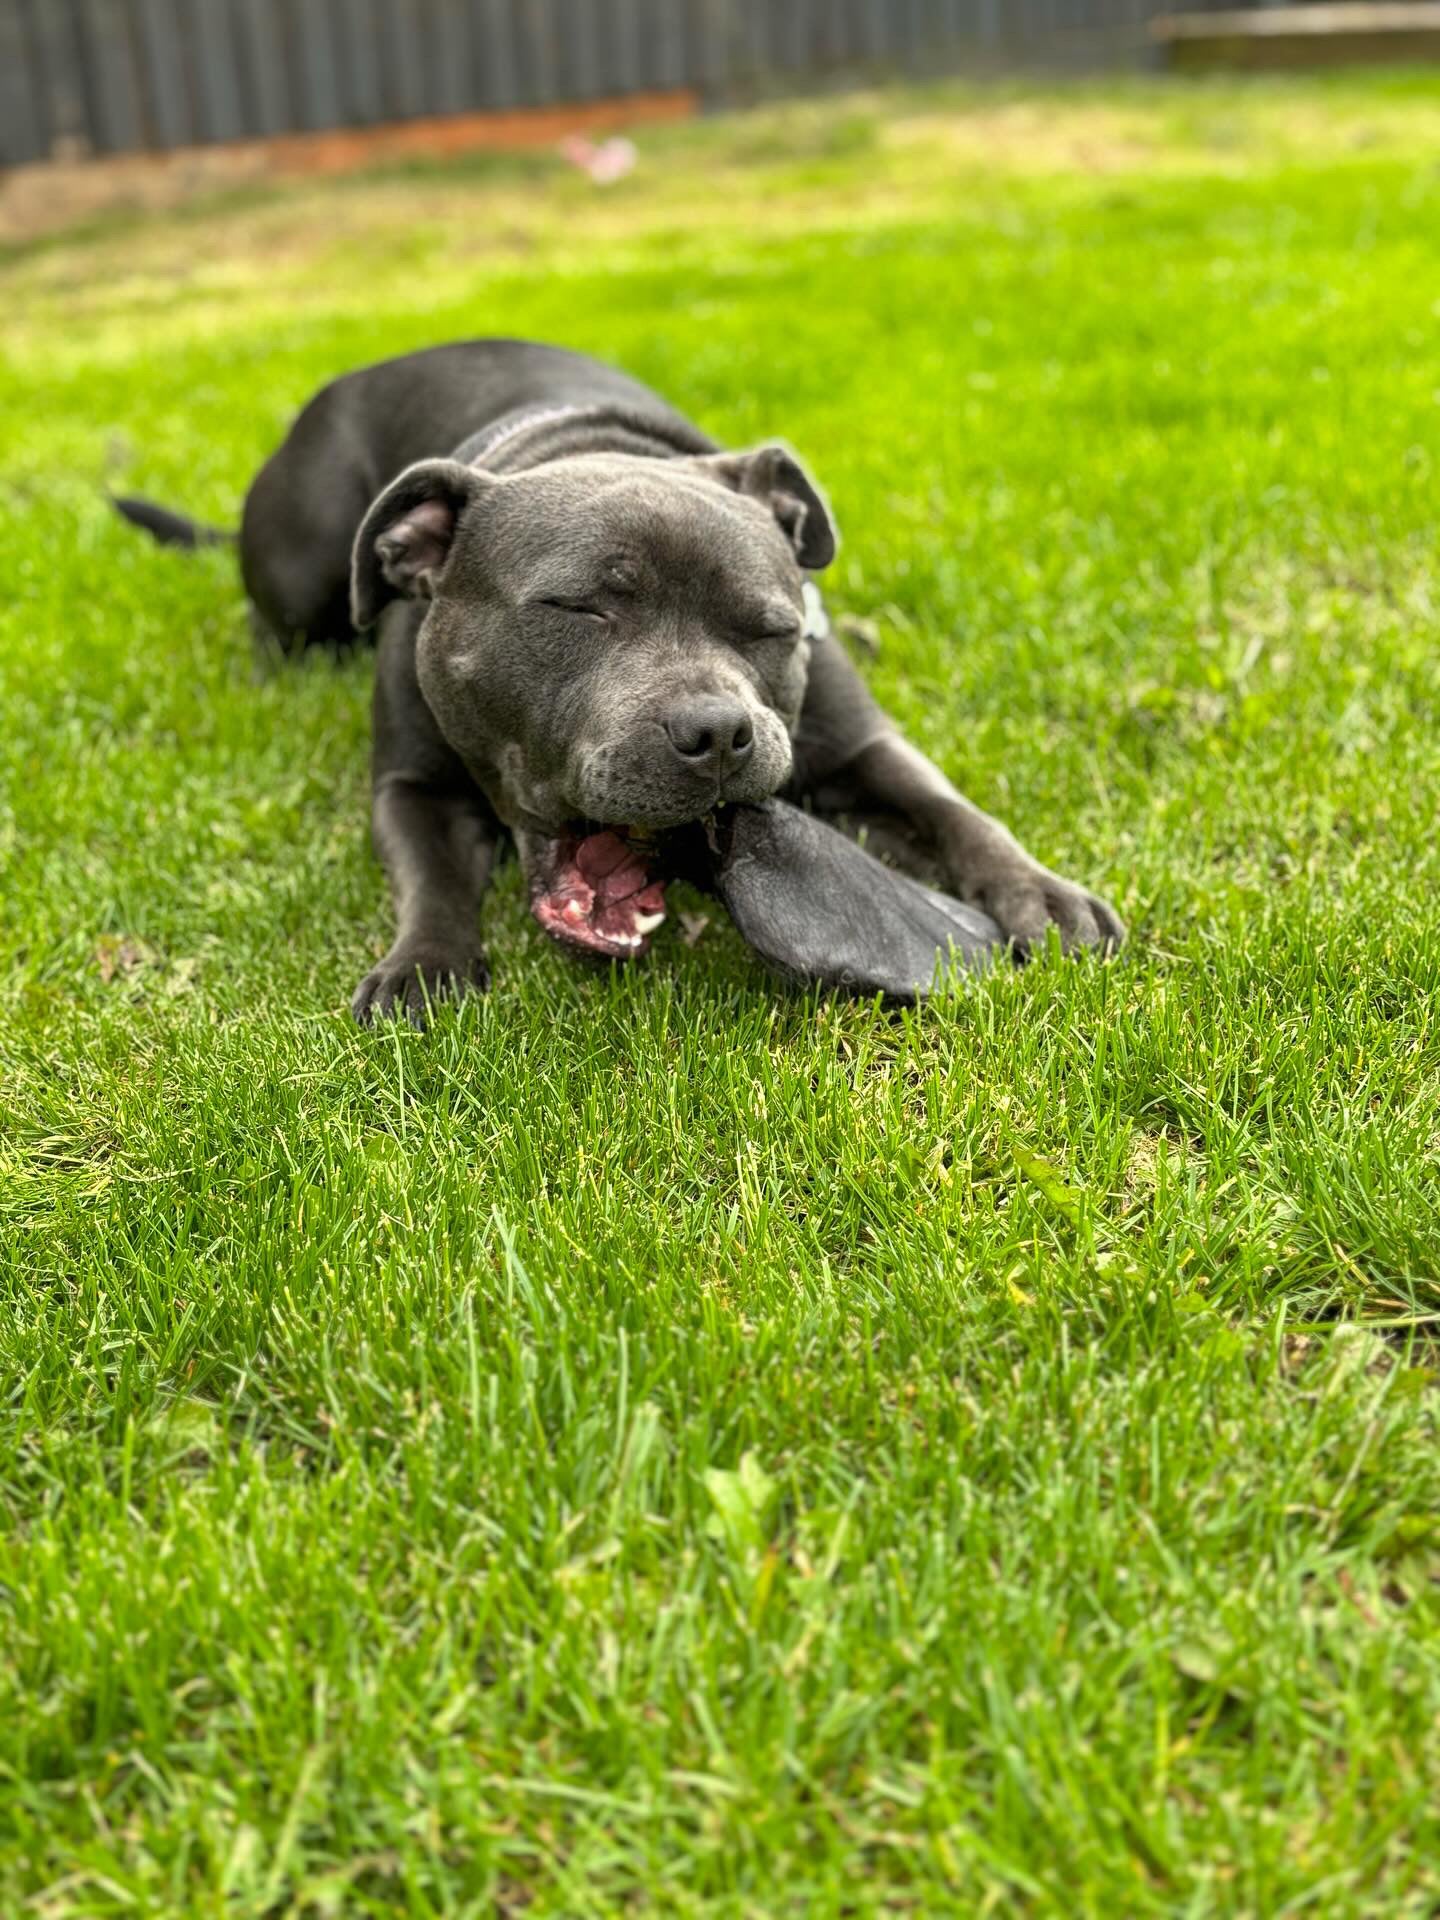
x=822, y=910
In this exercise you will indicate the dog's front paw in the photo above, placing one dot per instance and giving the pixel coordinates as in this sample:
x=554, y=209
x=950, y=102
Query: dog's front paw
x=1027, y=900
x=412, y=978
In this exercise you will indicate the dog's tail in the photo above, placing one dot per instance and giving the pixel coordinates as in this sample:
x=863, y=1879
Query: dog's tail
x=170, y=529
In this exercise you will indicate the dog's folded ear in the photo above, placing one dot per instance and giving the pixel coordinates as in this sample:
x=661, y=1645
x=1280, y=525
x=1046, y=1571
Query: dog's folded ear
x=772, y=475
x=405, y=538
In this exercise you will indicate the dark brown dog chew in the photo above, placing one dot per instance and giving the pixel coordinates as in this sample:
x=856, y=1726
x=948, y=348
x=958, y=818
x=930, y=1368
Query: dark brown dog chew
x=596, y=629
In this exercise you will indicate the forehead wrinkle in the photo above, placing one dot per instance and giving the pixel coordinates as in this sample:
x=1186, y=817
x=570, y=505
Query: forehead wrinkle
x=682, y=534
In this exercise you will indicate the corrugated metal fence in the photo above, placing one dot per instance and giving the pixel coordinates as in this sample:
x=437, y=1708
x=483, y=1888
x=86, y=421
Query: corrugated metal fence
x=113, y=76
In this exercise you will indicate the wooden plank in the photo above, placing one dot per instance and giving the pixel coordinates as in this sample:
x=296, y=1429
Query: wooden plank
x=405, y=72
x=446, y=56
x=663, y=45
x=55, y=60
x=1417, y=40
x=266, y=68
x=880, y=29
x=350, y=31
x=217, y=81
x=562, y=48
x=316, y=82
x=110, y=80
x=535, y=44
x=816, y=26
x=835, y=34
x=170, y=110
x=950, y=25
x=622, y=38
x=914, y=32
x=672, y=37
x=711, y=49
x=793, y=51
x=1287, y=23
x=853, y=39
x=580, y=64
x=357, y=38
x=497, y=77
x=752, y=25
x=22, y=129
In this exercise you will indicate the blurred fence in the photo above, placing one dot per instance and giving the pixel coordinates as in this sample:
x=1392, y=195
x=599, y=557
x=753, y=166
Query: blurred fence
x=115, y=76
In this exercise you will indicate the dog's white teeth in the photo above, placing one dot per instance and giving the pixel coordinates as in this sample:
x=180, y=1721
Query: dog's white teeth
x=646, y=923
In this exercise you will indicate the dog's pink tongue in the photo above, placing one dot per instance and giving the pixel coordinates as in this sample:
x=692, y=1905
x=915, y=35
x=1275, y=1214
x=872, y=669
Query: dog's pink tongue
x=608, y=901
x=611, y=866
x=627, y=900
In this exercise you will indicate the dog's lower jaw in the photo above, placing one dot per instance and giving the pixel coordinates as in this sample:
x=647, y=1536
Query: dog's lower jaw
x=595, y=891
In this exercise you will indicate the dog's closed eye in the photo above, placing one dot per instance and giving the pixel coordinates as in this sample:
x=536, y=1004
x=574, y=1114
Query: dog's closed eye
x=776, y=626
x=578, y=609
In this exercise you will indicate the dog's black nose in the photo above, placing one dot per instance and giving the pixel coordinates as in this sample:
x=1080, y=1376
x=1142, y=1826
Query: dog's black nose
x=710, y=732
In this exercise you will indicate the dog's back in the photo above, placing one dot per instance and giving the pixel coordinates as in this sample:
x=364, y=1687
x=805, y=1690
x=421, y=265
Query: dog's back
x=306, y=503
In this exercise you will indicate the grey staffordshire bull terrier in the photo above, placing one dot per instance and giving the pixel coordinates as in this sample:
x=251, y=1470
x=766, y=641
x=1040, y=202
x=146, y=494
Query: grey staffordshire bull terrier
x=595, y=635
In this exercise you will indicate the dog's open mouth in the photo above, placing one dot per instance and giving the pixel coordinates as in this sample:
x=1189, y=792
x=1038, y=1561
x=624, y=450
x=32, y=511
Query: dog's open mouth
x=600, y=891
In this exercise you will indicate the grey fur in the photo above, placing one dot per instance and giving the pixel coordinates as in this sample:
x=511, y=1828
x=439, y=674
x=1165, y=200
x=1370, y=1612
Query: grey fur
x=587, y=611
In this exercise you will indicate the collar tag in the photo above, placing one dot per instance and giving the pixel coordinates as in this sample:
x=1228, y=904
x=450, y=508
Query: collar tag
x=817, y=620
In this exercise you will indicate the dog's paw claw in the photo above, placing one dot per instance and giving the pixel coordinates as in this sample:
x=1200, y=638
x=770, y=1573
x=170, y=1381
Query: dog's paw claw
x=1029, y=903
x=408, y=983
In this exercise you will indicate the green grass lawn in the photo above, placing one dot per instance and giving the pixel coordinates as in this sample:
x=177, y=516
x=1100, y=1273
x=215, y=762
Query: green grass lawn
x=657, y=1443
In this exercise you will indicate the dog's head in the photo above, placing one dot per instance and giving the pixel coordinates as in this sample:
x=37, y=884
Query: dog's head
x=615, y=646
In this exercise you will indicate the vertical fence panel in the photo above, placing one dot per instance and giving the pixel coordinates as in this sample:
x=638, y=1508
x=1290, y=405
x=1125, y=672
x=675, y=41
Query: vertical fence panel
x=829, y=32
x=879, y=29
x=266, y=69
x=22, y=136
x=914, y=35
x=535, y=45
x=402, y=24
x=709, y=53
x=449, y=54
x=121, y=74
x=845, y=37
x=317, y=71
x=756, y=22
x=212, y=46
x=796, y=35
x=622, y=38
x=356, y=37
x=567, y=50
x=167, y=85
x=497, y=79
x=668, y=27
x=61, y=92
x=111, y=83
x=582, y=60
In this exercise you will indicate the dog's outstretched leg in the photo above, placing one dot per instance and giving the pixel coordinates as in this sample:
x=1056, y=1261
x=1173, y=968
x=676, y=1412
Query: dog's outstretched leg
x=437, y=837
x=851, y=759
